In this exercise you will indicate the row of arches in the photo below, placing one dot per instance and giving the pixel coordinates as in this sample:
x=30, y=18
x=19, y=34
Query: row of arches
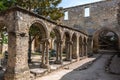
x=68, y=45
x=64, y=44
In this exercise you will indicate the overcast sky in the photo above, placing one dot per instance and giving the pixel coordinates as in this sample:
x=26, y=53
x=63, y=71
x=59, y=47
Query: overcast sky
x=70, y=3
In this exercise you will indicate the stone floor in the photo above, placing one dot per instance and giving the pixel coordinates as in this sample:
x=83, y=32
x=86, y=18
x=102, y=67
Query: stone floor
x=115, y=65
x=95, y=72
x=72, y=71
x=37, y=71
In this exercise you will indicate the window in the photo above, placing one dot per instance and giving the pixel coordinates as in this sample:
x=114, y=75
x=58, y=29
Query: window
x=87, y=12
x=66, y=15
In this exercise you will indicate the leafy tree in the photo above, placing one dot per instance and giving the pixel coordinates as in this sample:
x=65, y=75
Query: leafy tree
x=47, y=8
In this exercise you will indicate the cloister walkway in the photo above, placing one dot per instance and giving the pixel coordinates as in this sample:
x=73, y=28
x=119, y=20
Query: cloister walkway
x=94, y=72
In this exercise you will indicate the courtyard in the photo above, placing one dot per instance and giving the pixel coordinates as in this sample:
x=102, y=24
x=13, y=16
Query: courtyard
x=82, y=44
x=95, y=72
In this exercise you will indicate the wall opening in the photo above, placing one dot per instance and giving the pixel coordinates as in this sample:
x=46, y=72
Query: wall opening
x=66, y=15
x=108, y=41
x=86, y=12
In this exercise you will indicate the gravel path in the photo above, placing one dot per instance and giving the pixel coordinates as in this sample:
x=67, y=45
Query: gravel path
x=95, y=72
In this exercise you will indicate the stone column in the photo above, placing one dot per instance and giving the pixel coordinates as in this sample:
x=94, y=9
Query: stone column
x=67, y=50
x=17, y=65
x=69, y=58
x=86, y=49
x=74, y=51
x=82, y=49
x=77, y=50
x=47, y=54
x=59, y=52
x=43, y=55
x=84, y=54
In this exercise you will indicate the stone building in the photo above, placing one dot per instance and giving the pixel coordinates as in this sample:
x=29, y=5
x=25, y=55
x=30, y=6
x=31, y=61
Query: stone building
x=89, y=28
x=99, y=18
x=18, y=22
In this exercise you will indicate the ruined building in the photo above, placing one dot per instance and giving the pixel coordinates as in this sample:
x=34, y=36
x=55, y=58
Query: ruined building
x=85, y=29
x=98, y=20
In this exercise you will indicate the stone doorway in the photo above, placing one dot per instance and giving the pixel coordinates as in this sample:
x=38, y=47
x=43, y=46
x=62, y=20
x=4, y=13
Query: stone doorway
x=108, y=40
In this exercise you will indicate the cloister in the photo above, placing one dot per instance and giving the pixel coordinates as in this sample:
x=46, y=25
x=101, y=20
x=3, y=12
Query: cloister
x=74, y=39
x=18, y=22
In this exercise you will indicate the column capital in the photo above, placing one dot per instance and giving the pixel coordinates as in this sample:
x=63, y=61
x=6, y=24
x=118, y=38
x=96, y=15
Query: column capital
x=70, y=42
x=45, y=40
x=59, y=41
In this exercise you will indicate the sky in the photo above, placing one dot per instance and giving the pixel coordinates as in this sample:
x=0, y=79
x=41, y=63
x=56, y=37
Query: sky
x=70, y=3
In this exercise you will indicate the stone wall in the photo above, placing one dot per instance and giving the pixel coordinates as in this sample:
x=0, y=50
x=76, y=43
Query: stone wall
x=102, y=14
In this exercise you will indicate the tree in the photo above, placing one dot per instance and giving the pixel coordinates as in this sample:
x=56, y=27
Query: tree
x=33, y=33
x=47, y=8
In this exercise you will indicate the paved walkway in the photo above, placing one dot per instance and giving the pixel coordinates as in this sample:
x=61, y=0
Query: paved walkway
x=95, y=72
x=115, y=65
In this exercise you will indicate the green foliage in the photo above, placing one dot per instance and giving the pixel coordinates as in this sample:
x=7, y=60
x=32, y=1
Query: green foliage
x=34, y=32
x=3, y=34
x=52, y=34
x=4, y=39
x=47, y=8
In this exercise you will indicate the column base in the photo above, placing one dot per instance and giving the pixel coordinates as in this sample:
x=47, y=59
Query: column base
x=24, y=75
x=74, y=57
x=29, y=60
x=68, y=59
x=42, y=65
x=58, y=62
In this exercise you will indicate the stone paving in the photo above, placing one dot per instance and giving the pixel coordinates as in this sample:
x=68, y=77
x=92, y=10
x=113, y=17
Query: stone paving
x=95, y=72
x=58, y=74
x=115, y=65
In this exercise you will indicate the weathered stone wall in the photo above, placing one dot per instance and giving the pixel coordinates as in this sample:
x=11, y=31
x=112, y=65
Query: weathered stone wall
x=102, y=14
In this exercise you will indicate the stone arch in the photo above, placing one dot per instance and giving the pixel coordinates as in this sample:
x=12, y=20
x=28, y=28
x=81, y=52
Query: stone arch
x=44, y=26
x=67, y=35
x=66, y=46
x=96, y=36
x=38, y=39
x=55, y=35
x=74, y=46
